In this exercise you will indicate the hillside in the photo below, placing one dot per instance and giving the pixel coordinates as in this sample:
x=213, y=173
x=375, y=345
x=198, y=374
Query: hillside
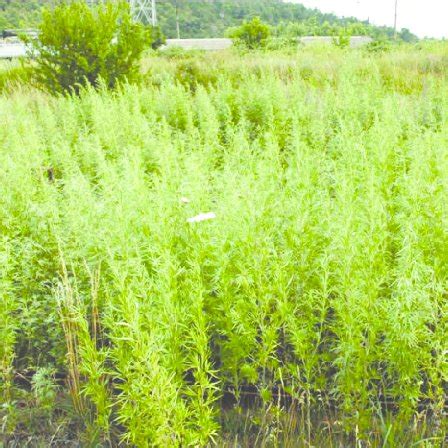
x=211, y=18
x=20, y=14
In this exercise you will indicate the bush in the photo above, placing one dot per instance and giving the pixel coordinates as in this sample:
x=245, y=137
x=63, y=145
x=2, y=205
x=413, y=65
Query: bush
x=251, y=34
x=192, y=73
x=342, y=40
x=378, y=46
x=77, y=46
x=179, y=53
x=282, y=43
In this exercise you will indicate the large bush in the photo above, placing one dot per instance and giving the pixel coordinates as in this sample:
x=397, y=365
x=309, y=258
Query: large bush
x=251, y=34
x=78, y=46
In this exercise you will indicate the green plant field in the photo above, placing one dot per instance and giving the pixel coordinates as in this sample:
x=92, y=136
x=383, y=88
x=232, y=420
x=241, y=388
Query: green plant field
x=311, y=311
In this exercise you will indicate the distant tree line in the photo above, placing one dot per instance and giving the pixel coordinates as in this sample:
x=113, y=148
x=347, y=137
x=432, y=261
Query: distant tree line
x=211, y=18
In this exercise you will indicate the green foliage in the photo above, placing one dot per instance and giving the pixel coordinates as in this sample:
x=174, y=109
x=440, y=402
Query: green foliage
x=21, y=14
x=282, y=43
x=8, y=329
x=191, y=73
x=250, y=35
x=342, y=40
x=311, y=311
x=157, y=37
x=44, y=389
x=78, y=46
x=405, y=35
x=212, y=18
x=378, y=46
x=13, y=74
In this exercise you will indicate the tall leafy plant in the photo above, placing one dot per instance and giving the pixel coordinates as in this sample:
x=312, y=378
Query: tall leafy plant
x=79, y=46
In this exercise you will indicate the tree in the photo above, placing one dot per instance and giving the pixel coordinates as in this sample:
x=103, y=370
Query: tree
x=78, y=46
x=251, y=34
x=406, y=36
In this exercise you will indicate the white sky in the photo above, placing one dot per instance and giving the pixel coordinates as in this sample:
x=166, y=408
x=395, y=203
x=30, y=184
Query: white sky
x=423, y=17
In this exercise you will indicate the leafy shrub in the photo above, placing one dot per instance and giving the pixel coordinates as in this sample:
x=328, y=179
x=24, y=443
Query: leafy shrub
x=179, y=53
x=282, y=43
x=44, y=388
x=193, y=73
x=251, y=34
x=342, y=40
x=78, y=46
x=378, y=46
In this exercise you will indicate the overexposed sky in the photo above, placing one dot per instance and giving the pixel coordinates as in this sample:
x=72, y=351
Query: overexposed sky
x=426, y=18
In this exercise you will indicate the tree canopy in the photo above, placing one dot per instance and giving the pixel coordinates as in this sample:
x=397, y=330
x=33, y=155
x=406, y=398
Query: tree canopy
x=211, y=18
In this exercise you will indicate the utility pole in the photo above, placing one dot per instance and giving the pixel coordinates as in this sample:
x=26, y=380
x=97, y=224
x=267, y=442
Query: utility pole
x=395, y=20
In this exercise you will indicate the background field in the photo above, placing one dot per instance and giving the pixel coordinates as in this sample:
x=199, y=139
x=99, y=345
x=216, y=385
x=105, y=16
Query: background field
x=312, y=310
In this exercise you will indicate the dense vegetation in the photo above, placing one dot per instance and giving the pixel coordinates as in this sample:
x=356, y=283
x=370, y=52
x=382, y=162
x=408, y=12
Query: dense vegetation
x=253, y=34
x=212, y=18
x=21, y=14
x=78, y=45
x=318, y=292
